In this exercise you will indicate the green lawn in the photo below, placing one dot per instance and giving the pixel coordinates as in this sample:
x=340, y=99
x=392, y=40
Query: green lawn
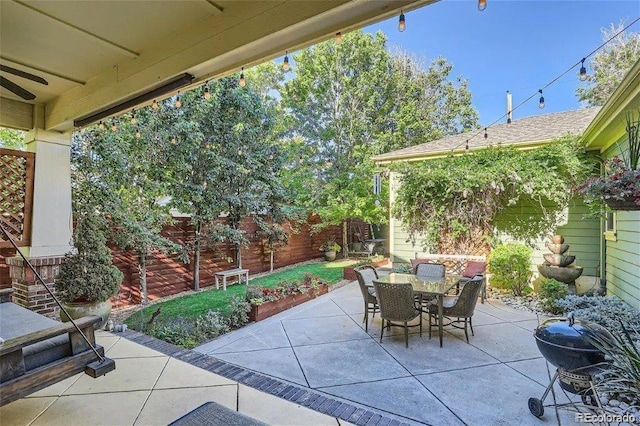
x=216, y=300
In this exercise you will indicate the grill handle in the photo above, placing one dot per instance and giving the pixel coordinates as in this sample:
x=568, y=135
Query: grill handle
x=570, y=317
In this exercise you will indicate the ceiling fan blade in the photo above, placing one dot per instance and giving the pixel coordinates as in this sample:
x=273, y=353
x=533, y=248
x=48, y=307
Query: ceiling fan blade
x=11, y=86
x=24, y=74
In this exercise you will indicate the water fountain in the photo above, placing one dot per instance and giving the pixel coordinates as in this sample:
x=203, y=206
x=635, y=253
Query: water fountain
x=559, y=266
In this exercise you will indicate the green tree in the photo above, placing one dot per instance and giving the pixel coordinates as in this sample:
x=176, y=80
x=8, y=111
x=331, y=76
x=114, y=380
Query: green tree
x=225, y=163
x=610, y=65
x=351, y=101
x=427, y=104
x=122, y=176
x=11, y=138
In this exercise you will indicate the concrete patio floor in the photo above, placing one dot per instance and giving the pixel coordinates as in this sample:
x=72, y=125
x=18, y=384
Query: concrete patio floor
x=148, y=388
x=322, y=345
x=314, y=365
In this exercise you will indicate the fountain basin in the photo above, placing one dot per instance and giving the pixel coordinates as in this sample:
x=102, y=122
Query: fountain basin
x=557, y=248
x=566, y=274
x=558, y=259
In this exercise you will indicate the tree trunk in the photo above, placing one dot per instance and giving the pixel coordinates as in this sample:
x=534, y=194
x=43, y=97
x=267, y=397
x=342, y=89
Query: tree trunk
x=142, y=270
x=239, y=255
x=196, y=259
x=271, y=256
x=345, y=239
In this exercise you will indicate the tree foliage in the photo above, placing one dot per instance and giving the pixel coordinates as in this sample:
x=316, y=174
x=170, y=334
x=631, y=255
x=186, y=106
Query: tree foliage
x=352, y=101
x=225, y=162
x=11, y=138
x=610, y=65
x=121, y=176
x=461, y=194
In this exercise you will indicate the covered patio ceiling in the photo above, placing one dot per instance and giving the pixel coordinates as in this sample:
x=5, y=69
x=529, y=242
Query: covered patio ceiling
x=98, y=54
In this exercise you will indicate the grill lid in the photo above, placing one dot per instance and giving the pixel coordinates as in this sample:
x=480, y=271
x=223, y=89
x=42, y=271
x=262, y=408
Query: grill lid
x=570, y=333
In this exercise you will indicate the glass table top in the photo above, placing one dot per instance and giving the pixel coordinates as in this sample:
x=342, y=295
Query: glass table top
x=423, y=284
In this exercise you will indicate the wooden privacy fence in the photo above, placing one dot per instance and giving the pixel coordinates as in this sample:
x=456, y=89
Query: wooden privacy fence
x=168, y=275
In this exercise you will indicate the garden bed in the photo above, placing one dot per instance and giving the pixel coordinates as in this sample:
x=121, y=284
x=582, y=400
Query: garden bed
x=266, y=309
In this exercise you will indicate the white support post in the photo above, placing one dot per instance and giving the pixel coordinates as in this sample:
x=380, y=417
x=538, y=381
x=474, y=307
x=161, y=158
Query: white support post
x=52, y=225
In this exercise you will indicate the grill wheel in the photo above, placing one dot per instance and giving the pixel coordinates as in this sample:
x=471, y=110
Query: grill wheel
x=535, y=407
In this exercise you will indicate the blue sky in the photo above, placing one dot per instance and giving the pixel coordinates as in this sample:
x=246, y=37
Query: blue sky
x=512, y=45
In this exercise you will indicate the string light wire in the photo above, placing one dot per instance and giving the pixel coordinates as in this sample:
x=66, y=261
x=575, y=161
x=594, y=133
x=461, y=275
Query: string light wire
x=537, y=92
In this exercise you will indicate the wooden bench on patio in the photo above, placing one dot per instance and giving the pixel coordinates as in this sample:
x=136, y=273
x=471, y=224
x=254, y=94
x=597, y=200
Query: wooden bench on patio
x=236, y=272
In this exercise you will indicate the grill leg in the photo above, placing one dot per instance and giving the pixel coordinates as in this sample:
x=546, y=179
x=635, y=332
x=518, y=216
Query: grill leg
x=546, y=392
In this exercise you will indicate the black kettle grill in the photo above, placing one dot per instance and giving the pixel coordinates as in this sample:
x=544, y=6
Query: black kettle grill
x=567, y=344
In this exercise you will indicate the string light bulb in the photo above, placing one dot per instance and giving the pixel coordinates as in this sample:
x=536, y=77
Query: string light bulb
x=205, y=91
x=178, y=103
x=133, y=116
x=541, y=102
x=486, y=135
x=482, y=5
x=137, y=132
x=401, y=23
x=114, y=125
x=101, y=125
x=174, y=140
x=583, y=71
x=285, y=62
x=155, y=105
x=240, y=151
x=338, y=37
x=242, y=81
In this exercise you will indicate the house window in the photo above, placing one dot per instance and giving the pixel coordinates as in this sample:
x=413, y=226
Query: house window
x=610, y=226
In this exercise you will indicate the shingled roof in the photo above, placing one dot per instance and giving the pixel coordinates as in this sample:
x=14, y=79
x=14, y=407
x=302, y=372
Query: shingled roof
x=525, y=131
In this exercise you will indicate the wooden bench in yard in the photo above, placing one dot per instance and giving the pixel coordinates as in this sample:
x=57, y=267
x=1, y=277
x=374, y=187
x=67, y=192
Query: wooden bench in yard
x=237, y=272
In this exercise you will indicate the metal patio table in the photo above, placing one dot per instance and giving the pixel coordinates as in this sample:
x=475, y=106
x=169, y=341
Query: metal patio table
x=426, y=287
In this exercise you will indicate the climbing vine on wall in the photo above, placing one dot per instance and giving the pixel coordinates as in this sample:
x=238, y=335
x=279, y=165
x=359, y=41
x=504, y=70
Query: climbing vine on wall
x=460, y=195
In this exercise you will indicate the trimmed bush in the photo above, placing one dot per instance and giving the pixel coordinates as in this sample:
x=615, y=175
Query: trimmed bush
x=551, y=291
x=510, y=266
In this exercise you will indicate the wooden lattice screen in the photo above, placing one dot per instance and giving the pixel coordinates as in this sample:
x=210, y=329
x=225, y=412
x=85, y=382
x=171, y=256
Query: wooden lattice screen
x=16, y=195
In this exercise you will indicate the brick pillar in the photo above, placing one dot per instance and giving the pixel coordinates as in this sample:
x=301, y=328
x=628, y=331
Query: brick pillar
x=28, y=291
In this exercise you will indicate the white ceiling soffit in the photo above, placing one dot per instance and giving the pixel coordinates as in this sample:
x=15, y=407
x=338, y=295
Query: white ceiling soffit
x=95, y=54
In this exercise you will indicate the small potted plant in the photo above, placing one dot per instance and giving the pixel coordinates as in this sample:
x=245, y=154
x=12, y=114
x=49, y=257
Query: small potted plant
x=88, y=278
x=619, y=188
x=330, y=249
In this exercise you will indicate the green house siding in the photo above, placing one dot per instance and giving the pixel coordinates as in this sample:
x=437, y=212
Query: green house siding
x=622, y=255
x=583, y=235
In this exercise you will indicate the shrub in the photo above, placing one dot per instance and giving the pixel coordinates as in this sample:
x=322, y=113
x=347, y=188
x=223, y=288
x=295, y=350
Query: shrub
x=403, y=268
x=510, y=266
x=190, y=332
x=238, y=314
x=608, y=311
x=551, y=291
x=257, y=295
x=88, y=273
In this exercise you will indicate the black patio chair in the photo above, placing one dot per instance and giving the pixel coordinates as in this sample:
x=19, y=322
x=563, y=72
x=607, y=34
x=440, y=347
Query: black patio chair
x=366, y=274
x=460, y=307
x=397, y=307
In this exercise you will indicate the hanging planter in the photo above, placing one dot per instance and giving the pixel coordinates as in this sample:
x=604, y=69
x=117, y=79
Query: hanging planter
x=628, y=203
